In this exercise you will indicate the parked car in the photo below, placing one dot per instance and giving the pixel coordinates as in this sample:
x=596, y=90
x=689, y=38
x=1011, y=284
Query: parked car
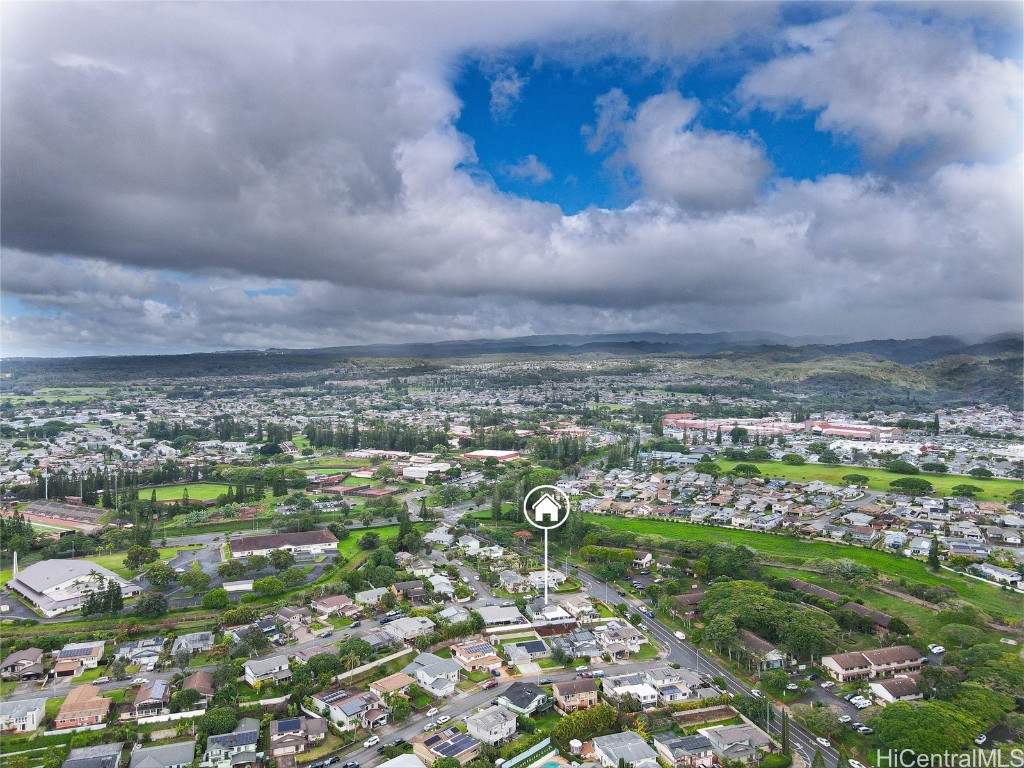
x=1007, y=641
x=582, y=668
x=139, y=681
x=823, y=741
x=792, y=687
x=546, y=681
x=351, y=764
x=490, y=684
x=372, y=741
x=811, y=676
x=496, y=672
x=827, y=684
x=856, y=764
x=355, y=624
x=845, y=718
x=757, y=693
x=431, y=712
x=865, y=730
x=443, y=719
x=101, y=680
x=508, y=604
x=981, y=739
x=429, y=726
x=937, y=649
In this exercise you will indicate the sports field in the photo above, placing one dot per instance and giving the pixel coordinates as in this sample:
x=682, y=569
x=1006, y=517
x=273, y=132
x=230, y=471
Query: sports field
x=994, y=489
x=196, y=491
x=996, y=601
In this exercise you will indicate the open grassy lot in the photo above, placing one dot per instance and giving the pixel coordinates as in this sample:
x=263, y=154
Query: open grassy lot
x=994, y=489
x=988, y=598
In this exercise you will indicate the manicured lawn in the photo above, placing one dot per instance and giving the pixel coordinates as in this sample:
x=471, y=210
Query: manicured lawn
x=647, y=652
x=325, y=747
x=985, y=597
x=424, y=700
x=196, y=491
x=994, y=489
x=479, y=676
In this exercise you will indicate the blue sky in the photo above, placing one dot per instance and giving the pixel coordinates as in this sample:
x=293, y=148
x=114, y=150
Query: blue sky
x=556, y=102
x=248, y=175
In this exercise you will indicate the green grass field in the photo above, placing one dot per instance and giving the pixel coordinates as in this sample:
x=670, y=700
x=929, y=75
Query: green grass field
x=988, y=598
x=196, y=491
x=995, y=489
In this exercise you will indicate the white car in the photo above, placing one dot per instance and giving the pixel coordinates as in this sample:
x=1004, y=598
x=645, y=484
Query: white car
x=431, y=712
x=862, y=704
x=1007, y=641
x=371, y=741
x=139, y=681
x=429, y=727
x=855, y=764
x=824, y=742
x=443, y=719
x=981, y=739
x=936, y=649
x=827, y=684
x=845, y=718
x=755, y=692
x=792, y=687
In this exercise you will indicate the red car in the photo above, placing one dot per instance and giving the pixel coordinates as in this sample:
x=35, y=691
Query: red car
x=490, y=684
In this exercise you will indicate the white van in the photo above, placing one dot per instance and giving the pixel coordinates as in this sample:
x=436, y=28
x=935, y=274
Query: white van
x=679, y=635
x=371, y=741
x=582, y=668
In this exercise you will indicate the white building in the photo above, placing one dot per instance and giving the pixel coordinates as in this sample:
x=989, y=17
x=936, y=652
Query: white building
x=60, y=586
x=493, y=725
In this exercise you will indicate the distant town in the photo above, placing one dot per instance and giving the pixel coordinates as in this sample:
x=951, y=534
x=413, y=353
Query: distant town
x=334, y=569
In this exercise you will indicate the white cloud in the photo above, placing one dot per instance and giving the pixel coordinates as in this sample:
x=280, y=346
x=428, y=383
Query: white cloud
x=506, y=92
x=906, y=90
x=529, y=169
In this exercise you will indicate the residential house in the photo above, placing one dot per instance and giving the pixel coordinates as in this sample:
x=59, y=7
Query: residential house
x=997, y=573
x=453, y=614
x=237, y=748
x=685, y=751
x=420, y=568
x=193, y=642
x=633, y=685
x=620, y=639
x=369, y=596
x=409, y=628
x=688, y=604
x=83, y=706
x=178, y=755
x=540, y=612
x=352, y=709
x=524, y=698
x=571, y=695
x=577, y=643
x=919, y=547
x=871, y=664
x=580, y=608
x=412, y=591
x=293, y=618
x=514, y=583
x=899, y=688
x=202, y=683
x=496, y=615
x=144, y=653
x=377, y=638
x=74, y=658
x=737, y=742
x=153, y=698
x=23, y=665
x=439, y=538
x=445, y=743
x=766, y=654
x=303, y=655
x=527, y=650
x=475, y=655
x=435, y=674
x=334, y=604
x=624, y=749
x=294, y=735
x=643, y=560
x=99, y=756
x=442, y=587
x=396, y=683
x=814, y=590
x=492, y=725
x=269, y=671
x=554, y=579
x=23, y=716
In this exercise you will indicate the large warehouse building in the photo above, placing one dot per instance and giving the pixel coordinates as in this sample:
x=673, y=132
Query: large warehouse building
x=317, y=542
x=60, y=586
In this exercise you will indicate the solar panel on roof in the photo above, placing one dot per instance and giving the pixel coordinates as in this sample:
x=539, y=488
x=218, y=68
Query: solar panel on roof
x=432, y=740
x=479, y=648
x=291, y=724
x=456, y=745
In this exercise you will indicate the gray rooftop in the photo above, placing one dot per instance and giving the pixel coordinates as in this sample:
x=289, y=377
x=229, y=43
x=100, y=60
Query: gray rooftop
x=626, y=746
x=182, y=753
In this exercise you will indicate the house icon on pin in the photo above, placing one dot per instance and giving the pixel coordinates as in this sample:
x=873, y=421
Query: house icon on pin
x=546, y=509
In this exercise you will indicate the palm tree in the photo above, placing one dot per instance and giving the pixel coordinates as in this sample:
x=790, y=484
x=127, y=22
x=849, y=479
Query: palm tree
x=351, y=661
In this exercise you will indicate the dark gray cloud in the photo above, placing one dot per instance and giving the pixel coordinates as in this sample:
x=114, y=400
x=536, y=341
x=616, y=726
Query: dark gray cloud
x=205, y=176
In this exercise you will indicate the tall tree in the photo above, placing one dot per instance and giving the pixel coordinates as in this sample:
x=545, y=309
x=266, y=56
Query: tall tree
x=933, y=553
